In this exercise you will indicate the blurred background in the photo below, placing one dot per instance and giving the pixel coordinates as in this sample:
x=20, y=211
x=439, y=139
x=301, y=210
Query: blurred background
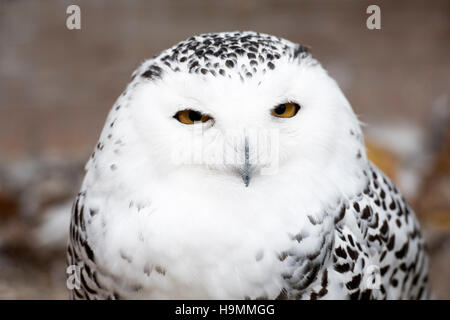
x=57, y=85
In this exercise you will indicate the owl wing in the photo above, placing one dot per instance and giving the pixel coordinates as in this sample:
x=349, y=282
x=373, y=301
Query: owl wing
x=378, y=247
x=367, y=247
x=82, y=270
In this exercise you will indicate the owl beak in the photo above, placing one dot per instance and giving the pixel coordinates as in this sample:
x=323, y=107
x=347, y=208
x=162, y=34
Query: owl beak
x=246, y=178
x=246, y=171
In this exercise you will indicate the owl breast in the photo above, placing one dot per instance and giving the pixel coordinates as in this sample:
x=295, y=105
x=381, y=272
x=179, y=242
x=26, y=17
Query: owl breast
x=222, y=245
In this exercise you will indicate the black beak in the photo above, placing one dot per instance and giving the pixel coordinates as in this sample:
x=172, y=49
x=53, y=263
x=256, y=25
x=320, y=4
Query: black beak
x=246, y=170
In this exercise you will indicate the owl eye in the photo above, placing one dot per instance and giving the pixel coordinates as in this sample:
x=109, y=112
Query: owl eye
x=191, y=116
x=285, y=110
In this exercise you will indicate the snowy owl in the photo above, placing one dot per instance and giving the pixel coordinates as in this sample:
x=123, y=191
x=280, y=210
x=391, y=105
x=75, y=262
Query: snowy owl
x=233, y=167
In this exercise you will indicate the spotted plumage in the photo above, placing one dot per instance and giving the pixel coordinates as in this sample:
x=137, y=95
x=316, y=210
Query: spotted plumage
x=233, y=55
x=324, y=224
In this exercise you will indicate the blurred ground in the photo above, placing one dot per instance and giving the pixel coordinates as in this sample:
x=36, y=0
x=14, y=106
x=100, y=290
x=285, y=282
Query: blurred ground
x=57, y=85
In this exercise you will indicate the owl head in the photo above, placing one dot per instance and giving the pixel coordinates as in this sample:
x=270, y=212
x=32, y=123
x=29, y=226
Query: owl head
x=239, y=108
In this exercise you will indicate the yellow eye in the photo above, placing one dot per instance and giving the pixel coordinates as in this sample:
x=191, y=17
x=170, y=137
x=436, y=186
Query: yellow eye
x=191, y=116
x=285, y=110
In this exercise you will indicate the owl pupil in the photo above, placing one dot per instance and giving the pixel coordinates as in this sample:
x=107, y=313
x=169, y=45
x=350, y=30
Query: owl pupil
x=195, y=116
x=280, y=109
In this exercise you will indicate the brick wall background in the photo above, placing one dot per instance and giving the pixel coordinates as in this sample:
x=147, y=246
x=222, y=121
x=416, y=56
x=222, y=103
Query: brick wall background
x=57, y=85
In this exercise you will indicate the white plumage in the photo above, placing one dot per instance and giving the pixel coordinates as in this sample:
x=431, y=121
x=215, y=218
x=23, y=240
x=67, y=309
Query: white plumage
x=156, y=217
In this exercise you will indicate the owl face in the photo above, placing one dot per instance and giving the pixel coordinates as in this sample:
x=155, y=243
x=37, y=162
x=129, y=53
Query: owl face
x=239, y=107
